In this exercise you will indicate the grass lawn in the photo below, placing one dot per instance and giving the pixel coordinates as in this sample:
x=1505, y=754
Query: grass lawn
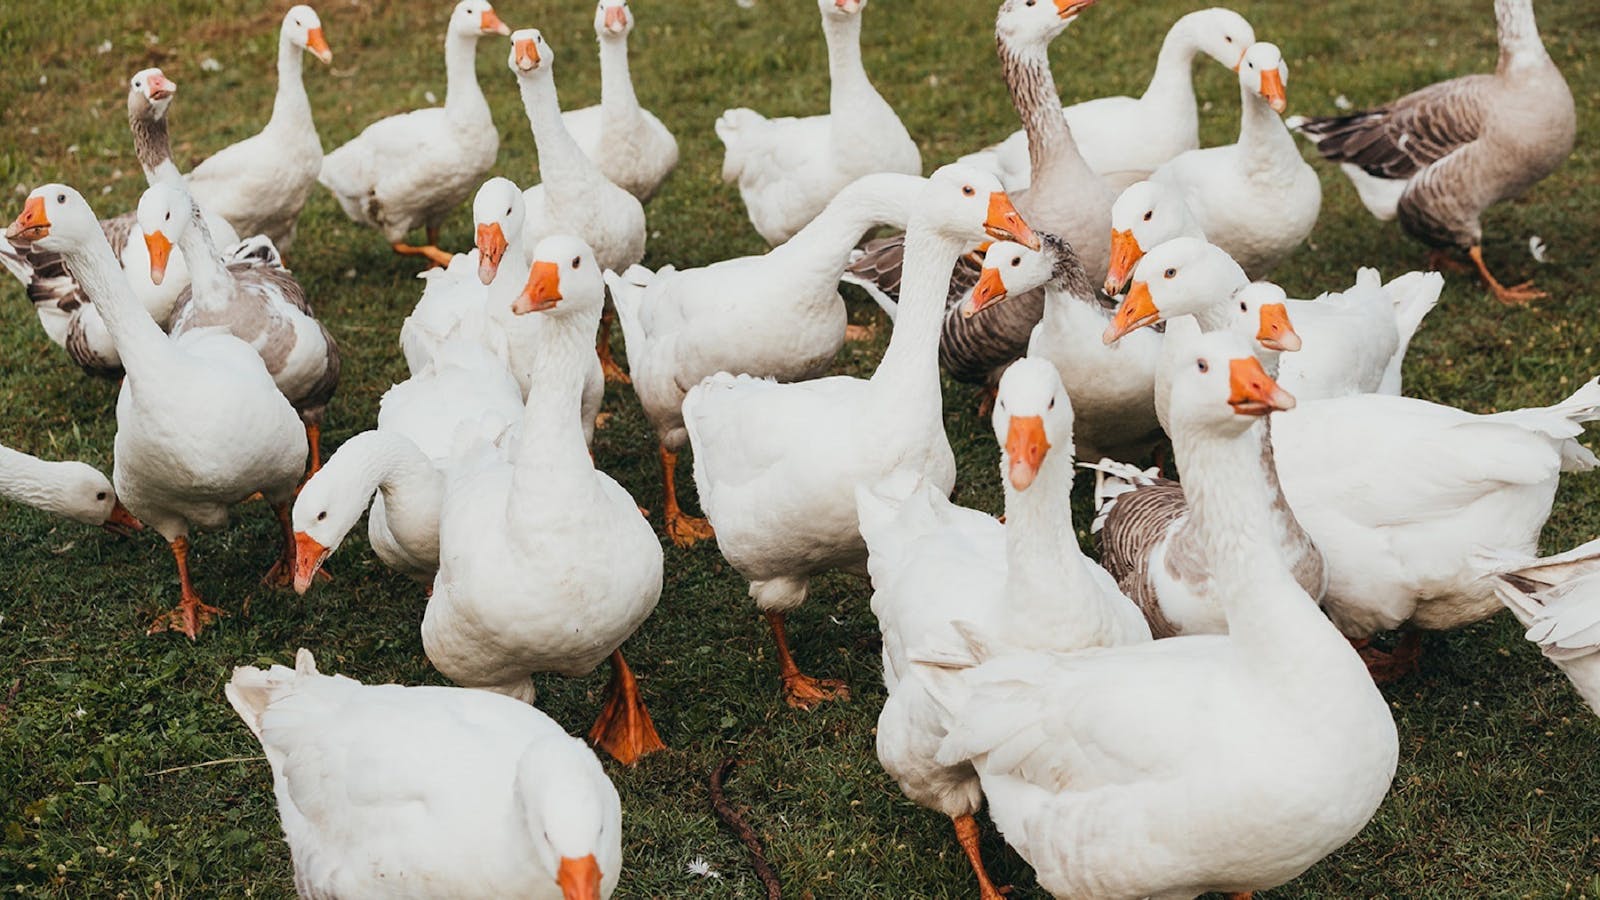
x=104, y=731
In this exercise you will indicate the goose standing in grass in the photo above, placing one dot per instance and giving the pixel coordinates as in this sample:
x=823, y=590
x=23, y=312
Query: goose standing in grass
x=412, y=169
x=1066, y=198
x=1439, y=157
x=574, y=196
x=260, y=184
x=69, y=489
x=1112, y=388
x=1557, y=599
x=1179, y=767
x=934, y=563
x=627, y=141
x=259, y=303
x=788, y=169
x=387, y=790
x=778, y=315
x=777, y=465
x=200, y=424
x=545, y=564
x=1257, y=198
x=1146, y=214
x=1124, y=139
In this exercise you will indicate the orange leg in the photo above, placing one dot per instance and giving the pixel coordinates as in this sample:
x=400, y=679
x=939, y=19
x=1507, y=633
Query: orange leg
x=986, y=399
x=602, y=346
x=1395, y=664
x=801, y=691
x=191, y=615
x=1516, y=295
x=434, y=254
x=314, y=438
x=684, y=530
x=967, y=837
x=281, y=575
x=624, y=729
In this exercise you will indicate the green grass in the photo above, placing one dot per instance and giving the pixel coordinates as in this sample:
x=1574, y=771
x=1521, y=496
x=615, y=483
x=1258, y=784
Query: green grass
x=1498, y=791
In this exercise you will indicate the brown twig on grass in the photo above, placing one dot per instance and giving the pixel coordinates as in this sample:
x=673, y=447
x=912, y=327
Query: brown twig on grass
x=741, y=829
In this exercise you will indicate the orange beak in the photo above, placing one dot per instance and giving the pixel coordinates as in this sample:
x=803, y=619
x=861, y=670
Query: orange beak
x=160, y=248
x=1125, y=254
x=527, y=54
x=318, y=45
x=1240, y=61
x=1276, y=333
x=1138, y=309
x=1254, y=391
x=616, y=18
x=1272, y=89
x=160, y=87
x=33, y=224
x=491, y=24
x=121, y=521
x=848, y=6
x=1069, y=8
x=543, y=291
x=1026, y=446
x=308, y=558
x=990, y=289
x=491, y=243
x=579, y=878
x=1004, y=223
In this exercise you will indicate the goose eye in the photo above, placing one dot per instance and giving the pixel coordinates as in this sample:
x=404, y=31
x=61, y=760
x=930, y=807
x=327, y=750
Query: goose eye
x=576, y=261
x=1148, y=213
x=100, y=496
x=967, y=190
x=322, y=515
x=1052, y=403
x=1170, y=273
x=1228, y=38
x=1030, y=2
x=508, y=210
x=1243, y=307
x=167, y=217
x=1202, y=365
x=1016, y=261
x=61, y=198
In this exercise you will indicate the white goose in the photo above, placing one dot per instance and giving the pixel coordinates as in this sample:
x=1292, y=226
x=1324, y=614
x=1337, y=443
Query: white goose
x=412, y=169
x=200, y=424
x=934, y=563
x=1146, y=214
x=386, y=789
x=1256, y=199
x=545, y=564
x=1183, y=766
x=260, y=184
x=574, y=196
x=69, y=489
x=776, y=316
x=1124, y=139
x=782, y=510
x=627, y=141
x=1558, y=600
x=788, y=169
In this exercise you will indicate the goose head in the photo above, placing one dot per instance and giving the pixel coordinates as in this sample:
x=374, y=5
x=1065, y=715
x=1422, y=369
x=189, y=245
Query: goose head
x=1184, y=276
x=149, y=94
x=303, y=28
x=1217, y=384
x=1010, y=268
x=967, y=204
x=474, y=19
x=1264, y=317
x=530, y=53
x=564, y=279
x=612, y=19
x=1032, y=417
x=1033, y=24
x=571, y=814
x=76, y=491
x=497, y=213
x=1263, y=72
x=56, y=218
x=328, y=506
x=841, y=9
x=1221, y=34
x=165, y=212
x=1145, y=214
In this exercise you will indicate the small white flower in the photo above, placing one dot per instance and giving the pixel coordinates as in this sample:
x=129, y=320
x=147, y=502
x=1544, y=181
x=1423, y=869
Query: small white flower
x=1342, y=102
x=21, y=191
x=104, y=48
x=152, y=38
x=44, y=79
x=746, y=4
x=1206, y=106
x=210, y=64
x=699, y=866
x=80, y=712
x=72, y=148
x=933, y=81
x=430, y=97
x=1537, y=248
x=105, y=189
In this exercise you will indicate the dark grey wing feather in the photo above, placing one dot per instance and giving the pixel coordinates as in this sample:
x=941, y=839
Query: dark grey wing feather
x=78, y=349
x=972, y=348
x=880, y=264
x=1401, y=139
x=118, y=230
x=1135, y=525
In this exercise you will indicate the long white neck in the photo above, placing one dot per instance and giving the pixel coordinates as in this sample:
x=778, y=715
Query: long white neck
x=291, y=110
x=1172, y=85
x=1043, y=559
x=413, y=489
x=562, y=163
x=140, y=342
x=1056, y=164
x=209, y=279
x=34, y=482
x=1268, y=147
x=618, y=103
x=822, y=248
x=909, y=370
x=848, y=82
x=1520, y=44
x=463, y=99
x=551, y=452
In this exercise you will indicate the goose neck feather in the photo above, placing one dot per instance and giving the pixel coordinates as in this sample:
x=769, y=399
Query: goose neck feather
x=140, y=342
x=1267, y=147
x=291, y=109
x=619, y=105
x=463, y=98
x=823, y=247
x=910, y=366
x=153, y=147
x=563, y=167
x=210, y=283
x=1043, y=558
x=551, y=450
x=1051, y=148
x=849, y=85
x=1172, y=84
x=1520, y=44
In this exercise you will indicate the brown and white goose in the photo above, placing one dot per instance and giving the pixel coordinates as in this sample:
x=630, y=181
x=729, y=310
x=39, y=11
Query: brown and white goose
x=1440, y=156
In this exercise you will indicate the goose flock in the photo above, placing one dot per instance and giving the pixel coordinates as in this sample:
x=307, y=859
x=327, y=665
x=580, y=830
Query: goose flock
x=1267, y=499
